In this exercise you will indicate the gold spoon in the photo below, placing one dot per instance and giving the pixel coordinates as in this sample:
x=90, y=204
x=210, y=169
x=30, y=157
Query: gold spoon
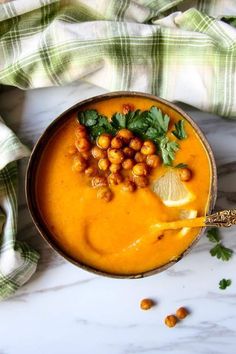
x=224, y=218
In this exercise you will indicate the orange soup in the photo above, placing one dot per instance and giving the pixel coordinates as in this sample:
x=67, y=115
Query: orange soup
x=117, y=237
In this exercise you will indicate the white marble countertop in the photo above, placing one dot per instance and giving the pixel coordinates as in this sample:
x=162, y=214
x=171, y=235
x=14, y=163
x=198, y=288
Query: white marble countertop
x=65, y=310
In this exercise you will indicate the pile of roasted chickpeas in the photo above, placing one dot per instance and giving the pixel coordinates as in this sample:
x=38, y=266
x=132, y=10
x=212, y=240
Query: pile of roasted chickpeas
x=123, y=158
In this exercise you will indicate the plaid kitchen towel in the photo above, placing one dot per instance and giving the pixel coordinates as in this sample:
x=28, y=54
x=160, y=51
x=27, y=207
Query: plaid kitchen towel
x=17, y=260
x=181, y=50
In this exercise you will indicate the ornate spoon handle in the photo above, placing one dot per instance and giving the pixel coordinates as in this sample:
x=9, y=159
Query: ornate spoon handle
x=224, y=218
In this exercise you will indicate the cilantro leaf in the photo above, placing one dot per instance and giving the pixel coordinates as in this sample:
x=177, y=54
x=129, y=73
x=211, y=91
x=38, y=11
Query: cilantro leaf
x=136, y=121
x=118, y=121
x=213, y=234
x=181, y=165
x=168, y=149
x=88, y=118
x=179, y=131
x=158, y=120
x=224, y=283
x=221, y=252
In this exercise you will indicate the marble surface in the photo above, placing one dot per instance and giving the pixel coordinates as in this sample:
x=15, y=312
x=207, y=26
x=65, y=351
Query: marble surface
x=65, y=310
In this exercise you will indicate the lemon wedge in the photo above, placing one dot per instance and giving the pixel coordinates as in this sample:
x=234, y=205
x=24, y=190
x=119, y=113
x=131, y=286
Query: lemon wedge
x=186, y=214
x=172, y=190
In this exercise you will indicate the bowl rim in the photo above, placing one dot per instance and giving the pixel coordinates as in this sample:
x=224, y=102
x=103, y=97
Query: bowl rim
x=41, y=143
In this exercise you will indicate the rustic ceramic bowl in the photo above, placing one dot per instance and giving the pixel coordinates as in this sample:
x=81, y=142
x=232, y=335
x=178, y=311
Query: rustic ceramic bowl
x=168, y=108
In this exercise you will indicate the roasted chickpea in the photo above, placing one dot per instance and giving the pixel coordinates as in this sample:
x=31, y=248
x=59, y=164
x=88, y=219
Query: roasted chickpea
x=171, y=320
x=105, y=194
x=99, y=181
x=81, y=131
x=71, y=150
x=79, y=164
x=129, y=186
x=91, y=171
x=82, y=144
x=104, y=141
x=98, y=153
x=115, y=178
x=148, y=148
x=127, y=107
x=185, y=174
x=128, y=151
x=136, y=144
x=128, y=164
x=153, y=161
x=140, y=169
x=181, y=313
x=139, y=157
x=115, y=167
x=116, y=143
x=115, y=156
x=141, y=181
x=146, y=304
x=86, y=154
x=126, y=135
x=103, y=164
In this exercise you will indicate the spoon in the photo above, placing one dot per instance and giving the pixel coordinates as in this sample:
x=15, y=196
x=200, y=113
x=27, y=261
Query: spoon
x=224, y=218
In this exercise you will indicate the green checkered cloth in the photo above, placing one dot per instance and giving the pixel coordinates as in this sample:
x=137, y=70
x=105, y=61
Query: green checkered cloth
x=179, y=50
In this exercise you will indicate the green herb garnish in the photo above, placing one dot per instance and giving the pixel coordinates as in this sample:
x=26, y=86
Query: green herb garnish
x=224, y=283
x=168, y=149
x=221, y=252
x=181, y=165
x=179, y=131
x=148, y=125
x=213, y=234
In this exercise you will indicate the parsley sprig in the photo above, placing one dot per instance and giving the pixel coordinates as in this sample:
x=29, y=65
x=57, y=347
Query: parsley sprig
x=219, y=250
x=224, y=283
x=152, y=124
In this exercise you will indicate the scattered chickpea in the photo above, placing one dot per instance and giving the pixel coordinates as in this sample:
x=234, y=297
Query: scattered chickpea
x=103, y=164
x=115, y=156
x=80, y=131
x=140, y=169
x=148, y=148
x=153, y=161
x=126, y=135
x=127, y=107
x=104, y=141
x=128, y=164
x=136, y=144
x=141, y=181
x=181, y=313
x=185, y=174
x=115, y=167
x=171, y=320
x=91, y=171
x=79, y=164
x=98, y=153
x=146, y=304
x=129, y=186
x=128, y=151
x=86, y=154
x=115, y=178
x=116, y=143
x=99, y=181
x=139, y=157
x=105, y=194
x=82, y=144
x=71, y=150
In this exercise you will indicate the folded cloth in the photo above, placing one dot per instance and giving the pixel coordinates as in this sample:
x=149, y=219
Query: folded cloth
x=17, y=261
x=181, y=50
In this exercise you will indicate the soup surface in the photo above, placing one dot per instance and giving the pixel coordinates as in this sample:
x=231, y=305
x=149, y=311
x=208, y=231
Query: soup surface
x=104, y=235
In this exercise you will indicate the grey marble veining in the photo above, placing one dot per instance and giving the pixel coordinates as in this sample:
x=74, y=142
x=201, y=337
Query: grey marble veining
x=64, y=310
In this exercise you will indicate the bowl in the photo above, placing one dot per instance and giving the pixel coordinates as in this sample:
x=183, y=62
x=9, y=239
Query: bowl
x=40, y=145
